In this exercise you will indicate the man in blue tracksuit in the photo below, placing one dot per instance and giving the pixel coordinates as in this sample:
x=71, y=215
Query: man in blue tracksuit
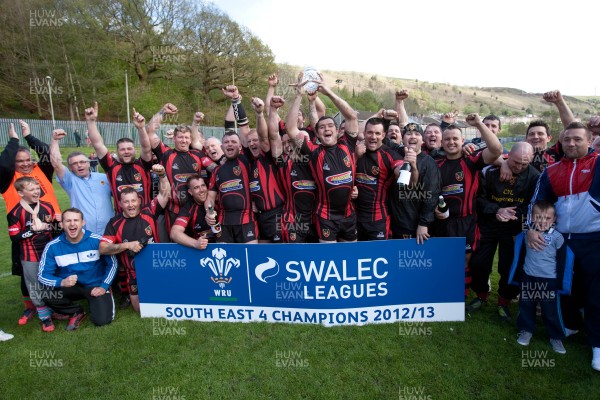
x=73, y=268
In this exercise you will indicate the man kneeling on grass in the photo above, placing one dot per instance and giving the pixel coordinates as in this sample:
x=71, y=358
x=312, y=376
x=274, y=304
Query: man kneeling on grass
x=73, y=269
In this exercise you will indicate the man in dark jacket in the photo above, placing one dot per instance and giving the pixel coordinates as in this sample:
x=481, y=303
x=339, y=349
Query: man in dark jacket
x=501, y=209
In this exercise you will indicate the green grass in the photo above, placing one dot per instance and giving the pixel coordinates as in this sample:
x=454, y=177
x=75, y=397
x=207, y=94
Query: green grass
x=135, y=358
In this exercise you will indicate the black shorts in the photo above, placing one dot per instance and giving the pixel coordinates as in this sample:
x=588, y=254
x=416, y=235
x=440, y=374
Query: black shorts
x=269, y=225
x=332, y=231
x=132, y=281
x=237, y=233
x=298, y=229
x=460, y=227
x=376, y=230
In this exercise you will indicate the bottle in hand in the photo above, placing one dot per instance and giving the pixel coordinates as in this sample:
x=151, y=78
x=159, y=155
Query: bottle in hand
x=443, y=208
x=216, y=228
x=404, y=177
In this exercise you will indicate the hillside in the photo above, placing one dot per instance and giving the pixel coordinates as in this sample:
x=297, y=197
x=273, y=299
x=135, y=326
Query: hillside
x=431, y=97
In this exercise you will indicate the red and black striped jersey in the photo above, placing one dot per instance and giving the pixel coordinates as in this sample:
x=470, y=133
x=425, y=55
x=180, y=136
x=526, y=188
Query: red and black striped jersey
x=141, y=227
x=298, y=186
x=121, y=176
x=374, y=174
x=264, y=185
x=460, y=181
x=231, y=181
x=333, y=169
x=192, y=219
x=179, y=166
x=31, y=243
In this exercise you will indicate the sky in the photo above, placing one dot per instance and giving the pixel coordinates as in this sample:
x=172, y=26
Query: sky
x=531, y=45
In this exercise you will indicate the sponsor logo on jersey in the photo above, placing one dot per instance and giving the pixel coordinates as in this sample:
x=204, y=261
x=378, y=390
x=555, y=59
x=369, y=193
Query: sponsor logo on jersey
x=182, y=177
x=366, y=179
x=304, y=185
x=340, y=179
x=452, y=189
x=136, y=186
x=254, y=186
x=229, y=186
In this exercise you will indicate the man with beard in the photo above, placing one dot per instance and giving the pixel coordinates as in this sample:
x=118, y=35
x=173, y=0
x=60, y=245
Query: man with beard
x=128, y=232
x=412, y=207
x=190, y=228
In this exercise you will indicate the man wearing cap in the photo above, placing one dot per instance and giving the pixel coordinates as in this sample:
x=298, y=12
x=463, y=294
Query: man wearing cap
x=412, y=207
x=89, y=191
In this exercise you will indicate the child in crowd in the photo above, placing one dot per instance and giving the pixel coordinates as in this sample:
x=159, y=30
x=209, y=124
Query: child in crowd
x=545, y=274
x=32, y=223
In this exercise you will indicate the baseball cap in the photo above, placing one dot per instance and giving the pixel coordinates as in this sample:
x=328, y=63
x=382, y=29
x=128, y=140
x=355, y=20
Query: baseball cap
x=412, y=127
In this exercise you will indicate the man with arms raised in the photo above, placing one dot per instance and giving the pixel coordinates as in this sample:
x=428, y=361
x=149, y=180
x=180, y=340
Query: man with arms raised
x=460, y=181
x=89, y=191
x=333, y=167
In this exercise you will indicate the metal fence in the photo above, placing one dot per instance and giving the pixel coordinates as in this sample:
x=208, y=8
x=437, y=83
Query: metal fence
x=110, y=131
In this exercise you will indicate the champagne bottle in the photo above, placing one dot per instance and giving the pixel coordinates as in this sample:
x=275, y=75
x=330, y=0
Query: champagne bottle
x=443, y=207
x=216, y=228
x=404, y=177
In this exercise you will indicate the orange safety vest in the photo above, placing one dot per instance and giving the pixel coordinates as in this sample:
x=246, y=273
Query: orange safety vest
x=11, y=197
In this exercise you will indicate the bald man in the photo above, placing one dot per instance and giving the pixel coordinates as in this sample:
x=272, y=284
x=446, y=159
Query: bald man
x=501, y=212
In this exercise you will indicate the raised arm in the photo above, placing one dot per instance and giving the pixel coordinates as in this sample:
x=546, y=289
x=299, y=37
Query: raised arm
x=145, y=148
x=316, y=108
x=91, y=115
x=401, y=95
x=155, y=122
x=197, y=136
x=564, y=112
x=291, y=121
x=494, y=147
x=261, y=125
x=41, y=148
x=55, y=156
x=164, y=187
x=239, y=113
x=272, y=80
x=276, y=103
x=7, y=159
x=342, y=105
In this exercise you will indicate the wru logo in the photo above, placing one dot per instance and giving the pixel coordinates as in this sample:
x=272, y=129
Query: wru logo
x=220, y=266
